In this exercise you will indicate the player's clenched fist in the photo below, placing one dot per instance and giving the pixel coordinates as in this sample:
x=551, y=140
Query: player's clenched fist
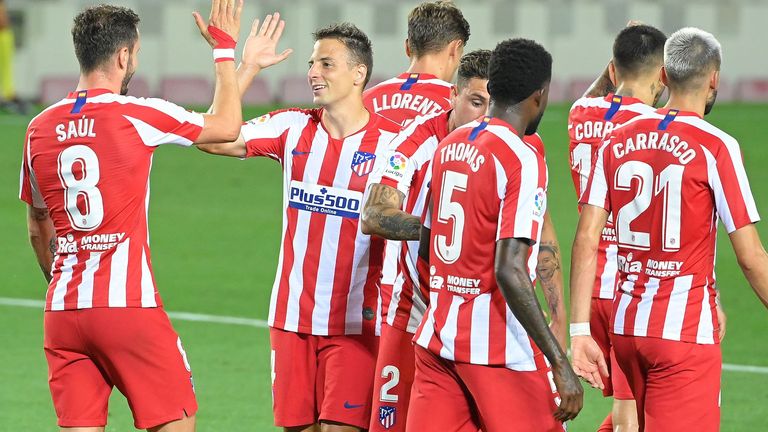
x=571, y=392
x=224, y=16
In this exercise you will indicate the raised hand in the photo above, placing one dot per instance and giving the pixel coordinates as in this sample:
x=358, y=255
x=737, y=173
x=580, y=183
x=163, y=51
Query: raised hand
x=259, y=50
x=588, y=361
x=571, y=392
x=224, y=16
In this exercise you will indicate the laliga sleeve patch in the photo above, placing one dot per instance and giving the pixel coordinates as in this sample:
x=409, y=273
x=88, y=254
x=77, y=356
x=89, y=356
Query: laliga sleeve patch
x=259, y=120
x=396, y=166
x=539, y=202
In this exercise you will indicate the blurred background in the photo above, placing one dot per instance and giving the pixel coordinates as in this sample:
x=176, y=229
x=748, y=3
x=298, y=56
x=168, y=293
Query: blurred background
x=175, y=62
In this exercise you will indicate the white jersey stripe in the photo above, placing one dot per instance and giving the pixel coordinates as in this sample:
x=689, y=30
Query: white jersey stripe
x=85, y=289
x=518, y=352
x=118, y=275
x=57, y=300
x=678, y=299
x=427, y=331
x=481, y=311
x=644, y=307
x=147, y=287
x=153, y=137
x=610, y=270
x=721, y=203
x=705, y=332
x=624, y=300
x=448, y=333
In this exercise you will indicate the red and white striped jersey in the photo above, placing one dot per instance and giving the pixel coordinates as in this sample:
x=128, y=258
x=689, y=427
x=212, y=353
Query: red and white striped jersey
x=87, y=159
x=590, y=119
x=407, y=96
x=328, y=273
x=487, y=185
x=407, y=170
x=654, y=173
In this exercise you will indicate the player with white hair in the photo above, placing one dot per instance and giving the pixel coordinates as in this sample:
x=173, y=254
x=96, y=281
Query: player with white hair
x=654, y=173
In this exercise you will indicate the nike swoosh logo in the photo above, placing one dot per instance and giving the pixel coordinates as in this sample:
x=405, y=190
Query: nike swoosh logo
x=299, y=153
x=348, y=405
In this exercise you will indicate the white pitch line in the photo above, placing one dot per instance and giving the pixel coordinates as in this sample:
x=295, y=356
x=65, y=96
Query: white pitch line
x=250, y=322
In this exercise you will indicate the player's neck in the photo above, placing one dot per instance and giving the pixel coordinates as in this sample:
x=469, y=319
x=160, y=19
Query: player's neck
x=433, y=64
x=639, y=89
x=694, y=101
x=511, y=115
x=345, y=117
x=98, y=79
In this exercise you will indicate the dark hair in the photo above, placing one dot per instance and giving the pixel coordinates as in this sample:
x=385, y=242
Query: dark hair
x=637, y=47
x=354, y=39
x=433, y=25
x=518, y=67
x=100, y=31
x=473, y=65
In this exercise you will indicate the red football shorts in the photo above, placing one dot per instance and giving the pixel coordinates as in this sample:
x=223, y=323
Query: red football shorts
x=462, y=397
x=676, y=384
x=322, y=378
x=395, y=367
x=134, y=349
x=616, y=384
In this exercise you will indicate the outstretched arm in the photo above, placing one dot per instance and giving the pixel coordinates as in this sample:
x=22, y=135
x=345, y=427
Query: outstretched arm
x=588, y=360
x=42, y=237
x=382, y=215
x=550, y=276
x=752, y=259
x=602, y=85
x=258, y=53
x=515, y=284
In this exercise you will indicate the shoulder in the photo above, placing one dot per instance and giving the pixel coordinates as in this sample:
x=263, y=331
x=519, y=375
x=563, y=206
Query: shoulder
x=590, y=102
x=710, y=136
x=288, y=117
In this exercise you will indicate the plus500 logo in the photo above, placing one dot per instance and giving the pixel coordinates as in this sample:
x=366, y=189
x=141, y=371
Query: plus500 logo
x=325, y=199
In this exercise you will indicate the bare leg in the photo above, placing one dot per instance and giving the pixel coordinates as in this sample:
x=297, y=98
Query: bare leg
x=625, y=416
x=307, y=428
x=186, y=424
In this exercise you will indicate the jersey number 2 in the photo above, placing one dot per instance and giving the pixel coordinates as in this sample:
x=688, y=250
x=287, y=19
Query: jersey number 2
x=79, y=175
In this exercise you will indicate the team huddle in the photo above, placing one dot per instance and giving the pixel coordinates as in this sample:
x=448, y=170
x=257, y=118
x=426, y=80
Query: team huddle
x=415, y=228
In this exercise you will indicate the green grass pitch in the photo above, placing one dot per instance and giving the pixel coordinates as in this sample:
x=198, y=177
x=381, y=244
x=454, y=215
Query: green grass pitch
x=215, y=224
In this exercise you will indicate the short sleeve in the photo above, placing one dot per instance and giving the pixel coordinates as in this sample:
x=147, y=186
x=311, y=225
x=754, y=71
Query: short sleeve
x=596, y=192
x=159, y=122
x=521, y=186
x=29, y=191
x=730, y=186
x=266, y=135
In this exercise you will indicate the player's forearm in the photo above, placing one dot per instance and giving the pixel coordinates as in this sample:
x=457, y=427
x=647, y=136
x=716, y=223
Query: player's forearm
x=245, y=75
x=390, y=223
x=583, y=267
x=226, y=114
x=601, y=86
x=42, y=238
x=552, y=281
x=515, y=285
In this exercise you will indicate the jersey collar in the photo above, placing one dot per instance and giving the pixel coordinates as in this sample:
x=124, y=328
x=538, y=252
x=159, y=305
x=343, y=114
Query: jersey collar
x=89, y=93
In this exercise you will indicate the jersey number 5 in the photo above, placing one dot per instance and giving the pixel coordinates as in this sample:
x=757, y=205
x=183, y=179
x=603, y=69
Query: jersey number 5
x=449, y=249
x=79, y=175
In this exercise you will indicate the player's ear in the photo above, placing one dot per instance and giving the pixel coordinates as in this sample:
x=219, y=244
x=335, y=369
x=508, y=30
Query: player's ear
x=664, y=78
x=714, y=80
x=361, y=70
x=123, y=57
x=407, y=48
x=612, y=73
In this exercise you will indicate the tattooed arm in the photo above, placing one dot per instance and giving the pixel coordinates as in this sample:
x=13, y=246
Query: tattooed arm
x=42, y=237
x=382, y=215
x=602, y=85
x=550, y=276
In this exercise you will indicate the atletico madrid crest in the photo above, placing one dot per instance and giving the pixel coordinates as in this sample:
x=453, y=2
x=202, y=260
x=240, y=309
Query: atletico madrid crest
x=387, y=416
x=362, y=163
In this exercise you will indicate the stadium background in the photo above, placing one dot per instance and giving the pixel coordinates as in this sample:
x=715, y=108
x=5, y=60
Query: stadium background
x=215, y=222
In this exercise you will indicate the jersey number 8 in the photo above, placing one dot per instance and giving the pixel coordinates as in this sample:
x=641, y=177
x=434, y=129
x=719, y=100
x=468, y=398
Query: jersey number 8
x=79, y=175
